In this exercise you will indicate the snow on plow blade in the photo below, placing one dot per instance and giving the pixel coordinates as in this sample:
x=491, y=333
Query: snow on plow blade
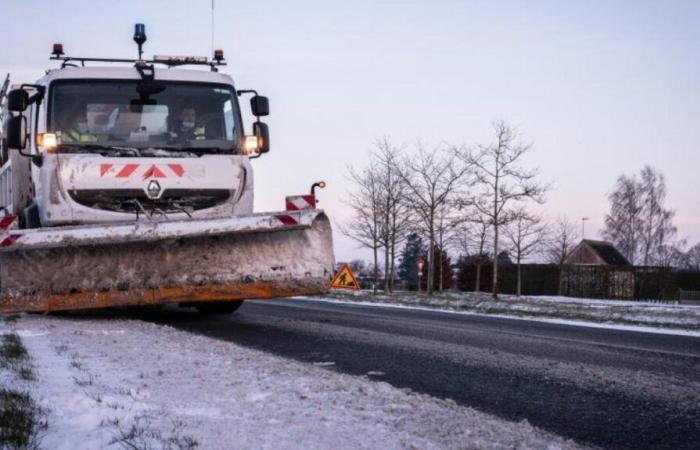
x=258, y=256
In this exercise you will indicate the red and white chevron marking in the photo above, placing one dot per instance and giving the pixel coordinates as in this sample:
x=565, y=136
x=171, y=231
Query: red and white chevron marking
x=143, y=170
x=286, y=219
x=7, y=222
x=7, y=240
x=298, y=202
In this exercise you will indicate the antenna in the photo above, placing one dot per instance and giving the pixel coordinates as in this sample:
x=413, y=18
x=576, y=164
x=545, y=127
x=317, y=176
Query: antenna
x=212, y=26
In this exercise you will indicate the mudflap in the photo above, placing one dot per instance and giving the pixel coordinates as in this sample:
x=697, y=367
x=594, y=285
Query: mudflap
x=266, y=256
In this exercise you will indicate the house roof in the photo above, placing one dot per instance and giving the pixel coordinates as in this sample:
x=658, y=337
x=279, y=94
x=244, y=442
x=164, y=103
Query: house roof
x=607, y=252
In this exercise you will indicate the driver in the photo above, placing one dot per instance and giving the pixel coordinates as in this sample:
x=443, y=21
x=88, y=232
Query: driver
x=79, y=130
x=186, y=125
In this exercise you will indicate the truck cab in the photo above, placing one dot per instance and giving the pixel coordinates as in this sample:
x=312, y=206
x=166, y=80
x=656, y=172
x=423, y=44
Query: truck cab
x=120, y=144
x=132, y=184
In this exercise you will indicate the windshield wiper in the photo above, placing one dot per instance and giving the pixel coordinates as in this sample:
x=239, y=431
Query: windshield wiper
x=201, y=149
x=98, y=148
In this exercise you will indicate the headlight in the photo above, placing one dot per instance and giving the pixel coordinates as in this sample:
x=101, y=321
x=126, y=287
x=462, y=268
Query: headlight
x=47, y=142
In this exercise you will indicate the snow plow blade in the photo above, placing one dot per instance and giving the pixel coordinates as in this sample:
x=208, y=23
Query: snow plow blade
x=257, y=256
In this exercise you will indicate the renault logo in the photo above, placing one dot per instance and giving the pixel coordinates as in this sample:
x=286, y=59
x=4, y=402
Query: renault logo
x=153, y=189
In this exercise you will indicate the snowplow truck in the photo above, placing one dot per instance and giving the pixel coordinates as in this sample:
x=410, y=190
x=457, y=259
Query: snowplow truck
x=132, y=184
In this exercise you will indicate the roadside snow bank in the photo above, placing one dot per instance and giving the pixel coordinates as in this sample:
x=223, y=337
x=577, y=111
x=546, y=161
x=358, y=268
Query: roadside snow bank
x=116, y=383
x=685, y=318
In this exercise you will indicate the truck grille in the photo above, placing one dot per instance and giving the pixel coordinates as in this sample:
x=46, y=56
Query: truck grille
x=172, y=200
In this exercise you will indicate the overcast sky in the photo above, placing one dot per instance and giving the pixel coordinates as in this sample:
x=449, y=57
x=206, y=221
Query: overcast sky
x=600, y=87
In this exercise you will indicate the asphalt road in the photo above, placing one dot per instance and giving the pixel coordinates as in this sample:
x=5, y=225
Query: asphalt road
x=607, y=388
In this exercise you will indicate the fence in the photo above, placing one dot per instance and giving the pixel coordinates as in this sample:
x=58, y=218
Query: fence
x=623, y=283
x=692, y=297
x=610, y=282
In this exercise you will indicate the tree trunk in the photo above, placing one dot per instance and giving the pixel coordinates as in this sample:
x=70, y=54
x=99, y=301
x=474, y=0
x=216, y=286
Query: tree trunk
x=441, y=287
x=518, y=285
x=376, y=272
x=559, y=290
x=431, y=263
x=494, y=286
x=393, y=258
x=386, y=268
x=477, y=286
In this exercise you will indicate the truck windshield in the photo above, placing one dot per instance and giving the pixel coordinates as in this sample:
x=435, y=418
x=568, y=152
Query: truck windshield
x=112, y=113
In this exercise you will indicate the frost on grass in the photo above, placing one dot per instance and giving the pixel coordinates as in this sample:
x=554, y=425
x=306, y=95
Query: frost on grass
x=21, y=418
x=622, y=312
x=141, y=434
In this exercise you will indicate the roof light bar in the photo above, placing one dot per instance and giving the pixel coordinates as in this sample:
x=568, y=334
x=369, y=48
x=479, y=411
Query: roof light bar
x=177, y=59
x=140, y=38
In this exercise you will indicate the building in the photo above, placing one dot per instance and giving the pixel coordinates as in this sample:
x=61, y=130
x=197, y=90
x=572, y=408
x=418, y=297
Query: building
x=596, y=253
x=596, y=269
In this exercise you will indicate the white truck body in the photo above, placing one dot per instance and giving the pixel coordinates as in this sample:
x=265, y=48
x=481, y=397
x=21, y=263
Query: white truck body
x=134, y=186
x=59, y=183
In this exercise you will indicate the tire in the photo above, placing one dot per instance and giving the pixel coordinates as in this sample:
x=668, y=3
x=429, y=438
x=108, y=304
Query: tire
x=218, y=307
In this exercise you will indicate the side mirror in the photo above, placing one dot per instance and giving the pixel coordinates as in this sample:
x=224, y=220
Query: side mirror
x=17, y=100
x=259, y=105
x=263, y=133
x=17, y=132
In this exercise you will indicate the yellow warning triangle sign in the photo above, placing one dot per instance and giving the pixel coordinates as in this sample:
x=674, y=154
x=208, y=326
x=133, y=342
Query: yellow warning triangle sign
x=344, y=279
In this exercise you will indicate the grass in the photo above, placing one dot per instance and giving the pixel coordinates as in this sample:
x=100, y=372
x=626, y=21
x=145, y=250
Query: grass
x=510, y=306
x=21, y=419
x=11, y=350
x=141, y=435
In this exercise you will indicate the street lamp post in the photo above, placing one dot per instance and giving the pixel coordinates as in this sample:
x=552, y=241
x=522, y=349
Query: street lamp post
x=420, y=272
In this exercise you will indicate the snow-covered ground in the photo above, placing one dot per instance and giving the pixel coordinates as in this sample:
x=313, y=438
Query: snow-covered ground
x=114, y=383
x=641, y=316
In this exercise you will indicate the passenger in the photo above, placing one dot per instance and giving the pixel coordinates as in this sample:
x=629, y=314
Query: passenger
x=79, y=130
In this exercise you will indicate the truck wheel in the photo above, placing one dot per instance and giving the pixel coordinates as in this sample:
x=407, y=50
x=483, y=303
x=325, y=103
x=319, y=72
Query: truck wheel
x=218, y=307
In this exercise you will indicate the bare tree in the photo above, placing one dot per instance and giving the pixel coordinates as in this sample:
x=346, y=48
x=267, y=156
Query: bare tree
x=470, y=238
x=503, y=181
x=672, y=254
x=395, y=215
x=623, y=222
x=432, y=178
x=638, y=223
x=365, y=201
x=692, y=258
x=563, y=237
x=526, y=233
x=444, y=225
x=657, y=222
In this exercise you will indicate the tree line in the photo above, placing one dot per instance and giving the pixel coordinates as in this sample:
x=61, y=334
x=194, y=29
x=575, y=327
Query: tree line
x=480, y=202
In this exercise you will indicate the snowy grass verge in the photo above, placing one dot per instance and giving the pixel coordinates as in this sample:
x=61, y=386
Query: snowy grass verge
x=662, y=318
x=21, y=418
x=116, y=383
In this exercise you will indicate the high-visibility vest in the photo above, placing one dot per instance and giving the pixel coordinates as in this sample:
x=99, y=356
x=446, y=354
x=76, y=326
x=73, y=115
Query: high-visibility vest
x=198, y=133
x=77, y=136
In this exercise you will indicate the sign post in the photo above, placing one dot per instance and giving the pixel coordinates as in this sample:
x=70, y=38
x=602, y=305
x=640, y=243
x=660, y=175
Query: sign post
x=420, y=272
